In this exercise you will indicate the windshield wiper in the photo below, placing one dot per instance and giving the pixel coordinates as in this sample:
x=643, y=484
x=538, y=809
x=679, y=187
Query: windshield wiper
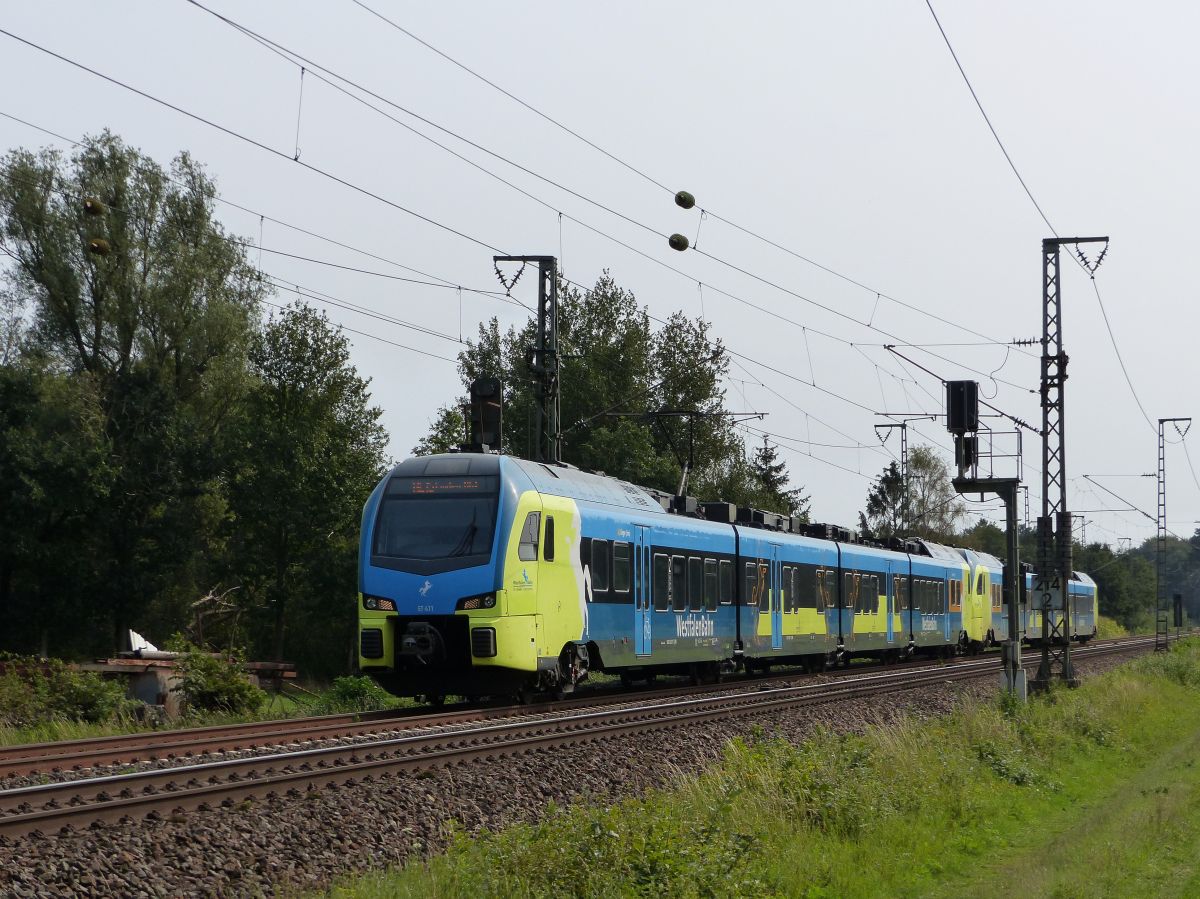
x=467, y=540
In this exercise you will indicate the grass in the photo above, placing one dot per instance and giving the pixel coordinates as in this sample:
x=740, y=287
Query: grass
x=1109, y=629
x=345, y=695
x=56, y=729
x=945, y=807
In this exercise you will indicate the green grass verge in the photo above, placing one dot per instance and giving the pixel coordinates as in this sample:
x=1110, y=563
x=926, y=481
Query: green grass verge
x=953, y=806
x=346, y=694
x=1109, y=629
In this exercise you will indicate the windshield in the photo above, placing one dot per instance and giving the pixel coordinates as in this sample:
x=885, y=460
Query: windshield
x=437, y=518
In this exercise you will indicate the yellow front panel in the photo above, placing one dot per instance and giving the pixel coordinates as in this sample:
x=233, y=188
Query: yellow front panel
x=516, y=642
x=379, y=621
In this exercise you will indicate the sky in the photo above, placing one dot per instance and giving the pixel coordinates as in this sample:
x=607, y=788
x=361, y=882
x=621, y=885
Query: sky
x=842, y=133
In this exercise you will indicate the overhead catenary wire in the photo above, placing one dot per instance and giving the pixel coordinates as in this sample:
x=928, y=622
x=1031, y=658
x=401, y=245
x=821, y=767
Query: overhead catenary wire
x=1090, y=271
x=262, y=216
x=307, y=292
x=705, y=211
x=351, y=185
x=300, y=60
x=380, y=339
x=249, y=140
x=658, y=320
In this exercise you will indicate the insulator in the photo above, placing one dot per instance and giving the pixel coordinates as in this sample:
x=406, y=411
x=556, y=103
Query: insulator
x=99, y=246
x=93, y=206
x=685, y=200
x=678, y=242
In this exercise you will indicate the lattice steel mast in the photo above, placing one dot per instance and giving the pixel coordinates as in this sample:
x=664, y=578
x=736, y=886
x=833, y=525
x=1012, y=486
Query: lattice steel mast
x=1162, y=612
x=542, y=358
x=1054, y=565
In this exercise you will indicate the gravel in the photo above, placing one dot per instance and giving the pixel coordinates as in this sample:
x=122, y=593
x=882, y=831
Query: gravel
x=302, y=842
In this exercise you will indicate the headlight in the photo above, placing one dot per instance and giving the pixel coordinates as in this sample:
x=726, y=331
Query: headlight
x=486, y=601
x=378, y=604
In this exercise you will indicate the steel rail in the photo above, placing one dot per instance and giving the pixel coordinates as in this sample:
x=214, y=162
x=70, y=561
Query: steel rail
x=35, y=758
x=228, y=781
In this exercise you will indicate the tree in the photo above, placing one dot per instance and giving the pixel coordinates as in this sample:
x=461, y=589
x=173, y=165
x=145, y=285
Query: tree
x=446, y=432
x=617, y=375
x=55, y=475
x=772, y=480
x=311, y=450
x=147, y=308
x=986, y=537
x=885, y=515
x=932, y=510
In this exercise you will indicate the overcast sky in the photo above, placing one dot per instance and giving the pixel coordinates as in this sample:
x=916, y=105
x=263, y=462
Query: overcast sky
x=842, y=132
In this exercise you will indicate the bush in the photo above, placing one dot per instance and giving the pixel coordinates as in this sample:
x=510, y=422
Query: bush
x=353, y=694
x=34, y=691
x=215, y=683
x=1108, y=629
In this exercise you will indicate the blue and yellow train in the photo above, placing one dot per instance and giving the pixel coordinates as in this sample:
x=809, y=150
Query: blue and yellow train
x=484, y=574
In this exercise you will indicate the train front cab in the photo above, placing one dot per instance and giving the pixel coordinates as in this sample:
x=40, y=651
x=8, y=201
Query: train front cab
x=1084, y=608
x=458, y=559
x=984, y=621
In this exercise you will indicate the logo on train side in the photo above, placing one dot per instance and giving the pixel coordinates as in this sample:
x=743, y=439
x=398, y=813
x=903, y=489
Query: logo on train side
x=425, y=588
x=524, y=582
x=694, y=627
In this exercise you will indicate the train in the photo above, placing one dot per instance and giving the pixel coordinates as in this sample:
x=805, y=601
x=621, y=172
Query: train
x=490, y=575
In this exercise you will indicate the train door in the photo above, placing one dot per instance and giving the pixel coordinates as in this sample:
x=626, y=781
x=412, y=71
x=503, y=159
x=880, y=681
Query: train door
x=776, y=590
x=889, y=602
x=642, y=589
x=942, y=604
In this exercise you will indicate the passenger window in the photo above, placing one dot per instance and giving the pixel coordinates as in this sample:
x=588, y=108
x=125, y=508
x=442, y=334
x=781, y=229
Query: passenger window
x=763, y=588
x=599, y=566
x=805, y=588
x=852, y=584
x=548, y=549
x=620, y=580
x=710, y=584
x=726, y=573
x=527, y=548
x=678, y=583
x=662, y=583
x=696, y=584
x=900, y=594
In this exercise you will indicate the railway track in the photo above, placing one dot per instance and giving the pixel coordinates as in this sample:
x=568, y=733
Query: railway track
x=173, y=791
x=66, y=755
x=174, y=745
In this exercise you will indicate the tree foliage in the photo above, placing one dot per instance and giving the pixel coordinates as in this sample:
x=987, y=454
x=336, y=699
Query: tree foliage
x=157, y=437
x=617, y=373
x=930, y=507
x=309, y=452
